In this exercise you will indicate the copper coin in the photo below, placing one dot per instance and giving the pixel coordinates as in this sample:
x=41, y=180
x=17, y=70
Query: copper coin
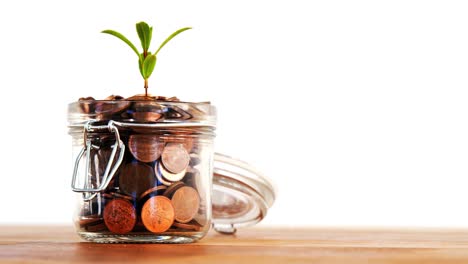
x=120, y=216
x=119, y=195
x=157, y=214
x=186, y=202
x=87, y=104
x=146, y=116
x=156, y=189
x=98, y=227
x=169, y=99
x=107, y=196
x=142, y=97
x=114, y=97
x=145, y=148
x=89, y=98
x=175, y=157
x=171, y=189
x=149, y=97
x=188, y=144
x=135, y=178
x=181, y=138
x=188, y=226
x=168, y=176
x=111, y=107
x=84, y=221
x=148, y=111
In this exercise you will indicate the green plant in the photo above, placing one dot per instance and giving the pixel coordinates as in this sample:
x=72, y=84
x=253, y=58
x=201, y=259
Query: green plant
x=146, y=59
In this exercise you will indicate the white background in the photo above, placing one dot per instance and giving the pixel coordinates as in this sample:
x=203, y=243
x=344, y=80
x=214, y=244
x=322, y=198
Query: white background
x=357, y=110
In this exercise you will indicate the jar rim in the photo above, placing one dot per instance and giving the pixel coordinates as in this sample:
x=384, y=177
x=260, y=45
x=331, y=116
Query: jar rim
x=171, y=113
x=136, y=100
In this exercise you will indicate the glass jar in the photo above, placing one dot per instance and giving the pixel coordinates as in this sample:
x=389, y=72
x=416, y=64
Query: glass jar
x=144, y=173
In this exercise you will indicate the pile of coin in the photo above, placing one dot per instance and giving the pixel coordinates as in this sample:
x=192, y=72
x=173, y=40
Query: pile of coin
x=157, y=188
x=137, y=108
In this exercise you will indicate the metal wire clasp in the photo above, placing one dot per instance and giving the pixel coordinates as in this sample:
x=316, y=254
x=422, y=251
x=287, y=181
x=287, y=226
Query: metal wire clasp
x=88, y=192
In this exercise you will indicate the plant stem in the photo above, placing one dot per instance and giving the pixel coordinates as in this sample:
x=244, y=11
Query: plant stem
x=146, y=87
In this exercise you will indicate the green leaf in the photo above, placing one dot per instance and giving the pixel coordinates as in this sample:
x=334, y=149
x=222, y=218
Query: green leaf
x=171, y=37
x=148, y=65
x=144, y=33
x=140, y=65
x=123, y=38
x=150, y=36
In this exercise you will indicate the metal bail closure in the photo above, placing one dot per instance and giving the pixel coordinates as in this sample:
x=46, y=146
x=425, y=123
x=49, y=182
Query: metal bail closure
x=89, y=192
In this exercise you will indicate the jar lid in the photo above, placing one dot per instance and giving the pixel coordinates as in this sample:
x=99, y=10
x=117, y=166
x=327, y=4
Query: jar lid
x=241, y=195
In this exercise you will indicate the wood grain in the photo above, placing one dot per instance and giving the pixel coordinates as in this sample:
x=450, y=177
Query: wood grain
x=58, y=244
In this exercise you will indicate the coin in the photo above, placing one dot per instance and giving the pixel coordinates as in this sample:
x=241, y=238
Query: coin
x=148, y=111
x=142, y=97
x=145, y=148
x=146, y=116
x=181, y=137
x=135, y=178
x=88, y=220
x=123, y=196
x=92, y=223
x=149, y=97
x=157, y=214
x=171, y=189
x=89, y=98
x=87, y=104
x=158, y=173
x=186, y=202
x=108, y=108
x=188, y=226
x=97, y=227
x=120, y=216
x=114, y=97
x=156, y=189
x=107, y=196
x=169, y=99
x=167, y=175
x=188, y=144
x=175, y=157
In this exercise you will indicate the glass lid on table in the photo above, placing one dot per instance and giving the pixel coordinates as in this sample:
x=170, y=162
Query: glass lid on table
x=241, y=194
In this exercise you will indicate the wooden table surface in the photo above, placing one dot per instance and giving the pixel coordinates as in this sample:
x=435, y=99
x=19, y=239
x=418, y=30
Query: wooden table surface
x=57, y=244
